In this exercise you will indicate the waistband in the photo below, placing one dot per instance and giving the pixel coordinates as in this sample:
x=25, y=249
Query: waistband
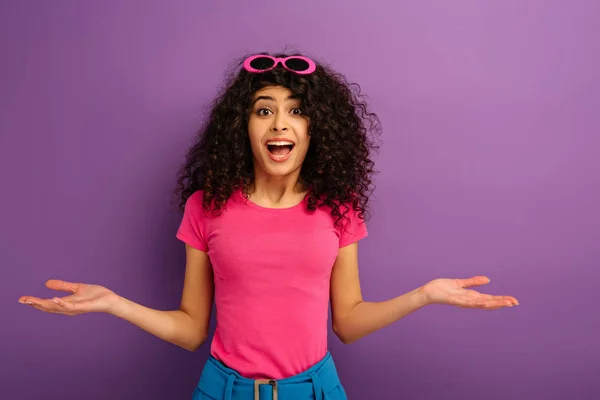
x=221, y=382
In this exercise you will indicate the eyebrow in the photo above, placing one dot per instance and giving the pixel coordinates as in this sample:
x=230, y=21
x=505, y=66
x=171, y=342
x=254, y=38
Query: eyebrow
x=269, y=98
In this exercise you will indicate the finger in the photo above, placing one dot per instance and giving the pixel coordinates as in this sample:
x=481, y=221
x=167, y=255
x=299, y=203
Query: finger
x=25, y=300
x=495, y=304
x=490, y=308
x=44, y=305
x=500, y=299
x=30, y=300
x=50, y=306
x=474, y=281
x=473, y=299
x=57, y=311
x=63, y=286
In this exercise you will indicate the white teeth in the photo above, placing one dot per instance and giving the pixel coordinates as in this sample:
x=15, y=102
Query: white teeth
x=282, y=143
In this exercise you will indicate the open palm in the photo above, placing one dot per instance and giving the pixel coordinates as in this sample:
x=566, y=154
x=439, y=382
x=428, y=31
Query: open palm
x=84, y=298
x=453, y=292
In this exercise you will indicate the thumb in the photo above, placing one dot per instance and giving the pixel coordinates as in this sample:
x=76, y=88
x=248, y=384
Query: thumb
x=474, y=281
x=63, y=286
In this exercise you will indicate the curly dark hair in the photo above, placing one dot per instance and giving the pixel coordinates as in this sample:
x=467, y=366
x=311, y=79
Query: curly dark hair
x=337, y=168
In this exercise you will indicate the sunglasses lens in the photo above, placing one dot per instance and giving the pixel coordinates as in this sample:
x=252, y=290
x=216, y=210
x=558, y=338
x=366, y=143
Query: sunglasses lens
x=297, y=64
x=261, y=63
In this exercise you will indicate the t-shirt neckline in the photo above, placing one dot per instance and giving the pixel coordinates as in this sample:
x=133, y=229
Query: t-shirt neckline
x=255, y=206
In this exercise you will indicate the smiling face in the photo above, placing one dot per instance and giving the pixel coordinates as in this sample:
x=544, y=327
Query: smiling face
x=278, y=132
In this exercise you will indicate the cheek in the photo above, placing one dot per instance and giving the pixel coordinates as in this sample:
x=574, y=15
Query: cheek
x=301, y=126
x=303, y=147
x=254, y=136
x=301, y=129
x=256, y=147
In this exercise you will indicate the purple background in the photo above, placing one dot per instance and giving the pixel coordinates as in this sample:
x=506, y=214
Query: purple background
x=489, y=165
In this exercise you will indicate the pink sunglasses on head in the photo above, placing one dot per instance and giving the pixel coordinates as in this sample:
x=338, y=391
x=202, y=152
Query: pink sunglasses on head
x=262, y=63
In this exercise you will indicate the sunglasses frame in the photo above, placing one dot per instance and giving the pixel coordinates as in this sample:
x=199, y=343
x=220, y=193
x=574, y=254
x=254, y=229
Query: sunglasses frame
x=311, y=64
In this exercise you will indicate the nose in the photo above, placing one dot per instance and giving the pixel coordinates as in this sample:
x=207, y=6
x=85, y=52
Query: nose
x=279, y=123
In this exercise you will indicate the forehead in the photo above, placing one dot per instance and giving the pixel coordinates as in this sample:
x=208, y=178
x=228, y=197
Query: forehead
x=276, y=92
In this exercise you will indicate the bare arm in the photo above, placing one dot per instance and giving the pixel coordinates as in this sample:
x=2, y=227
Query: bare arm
x=354, y=318
x=188, y=326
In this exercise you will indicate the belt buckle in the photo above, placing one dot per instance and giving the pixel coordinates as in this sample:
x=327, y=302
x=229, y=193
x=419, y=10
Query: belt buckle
x=259, y=382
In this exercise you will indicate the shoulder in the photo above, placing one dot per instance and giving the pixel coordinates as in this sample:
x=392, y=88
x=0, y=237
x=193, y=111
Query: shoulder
x=347, y=221
x=196, y=197
x=344, y=211
x=353, y=226
x=194, y=203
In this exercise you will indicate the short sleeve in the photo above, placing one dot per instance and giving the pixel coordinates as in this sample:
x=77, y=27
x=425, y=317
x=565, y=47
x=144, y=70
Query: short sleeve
x=353, y=230
x=192, y=228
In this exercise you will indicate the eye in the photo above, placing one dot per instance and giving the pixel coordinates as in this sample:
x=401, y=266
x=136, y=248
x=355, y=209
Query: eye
x=263, y=112
x=296, y=111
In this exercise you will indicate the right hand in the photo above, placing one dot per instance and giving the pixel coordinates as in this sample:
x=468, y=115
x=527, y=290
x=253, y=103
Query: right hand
x=84, y=299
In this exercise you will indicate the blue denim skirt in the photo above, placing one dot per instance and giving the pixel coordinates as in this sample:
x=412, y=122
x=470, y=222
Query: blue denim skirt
x=319, y=382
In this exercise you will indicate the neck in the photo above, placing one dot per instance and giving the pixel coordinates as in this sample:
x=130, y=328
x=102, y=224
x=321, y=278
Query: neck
x=277, y=191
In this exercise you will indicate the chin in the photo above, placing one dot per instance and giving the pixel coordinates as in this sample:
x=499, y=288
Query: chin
x=281, y=171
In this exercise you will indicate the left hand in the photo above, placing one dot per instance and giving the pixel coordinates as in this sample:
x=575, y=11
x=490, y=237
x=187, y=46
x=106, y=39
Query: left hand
x=452, y=292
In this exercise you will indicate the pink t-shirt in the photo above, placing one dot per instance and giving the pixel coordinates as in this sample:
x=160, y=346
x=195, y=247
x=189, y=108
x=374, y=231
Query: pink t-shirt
x=271, y=273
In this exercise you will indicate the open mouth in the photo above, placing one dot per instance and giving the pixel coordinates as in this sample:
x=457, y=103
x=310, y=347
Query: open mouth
x=280, y=150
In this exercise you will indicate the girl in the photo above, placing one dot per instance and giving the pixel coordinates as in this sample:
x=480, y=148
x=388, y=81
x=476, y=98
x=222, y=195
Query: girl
x=274, y=194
